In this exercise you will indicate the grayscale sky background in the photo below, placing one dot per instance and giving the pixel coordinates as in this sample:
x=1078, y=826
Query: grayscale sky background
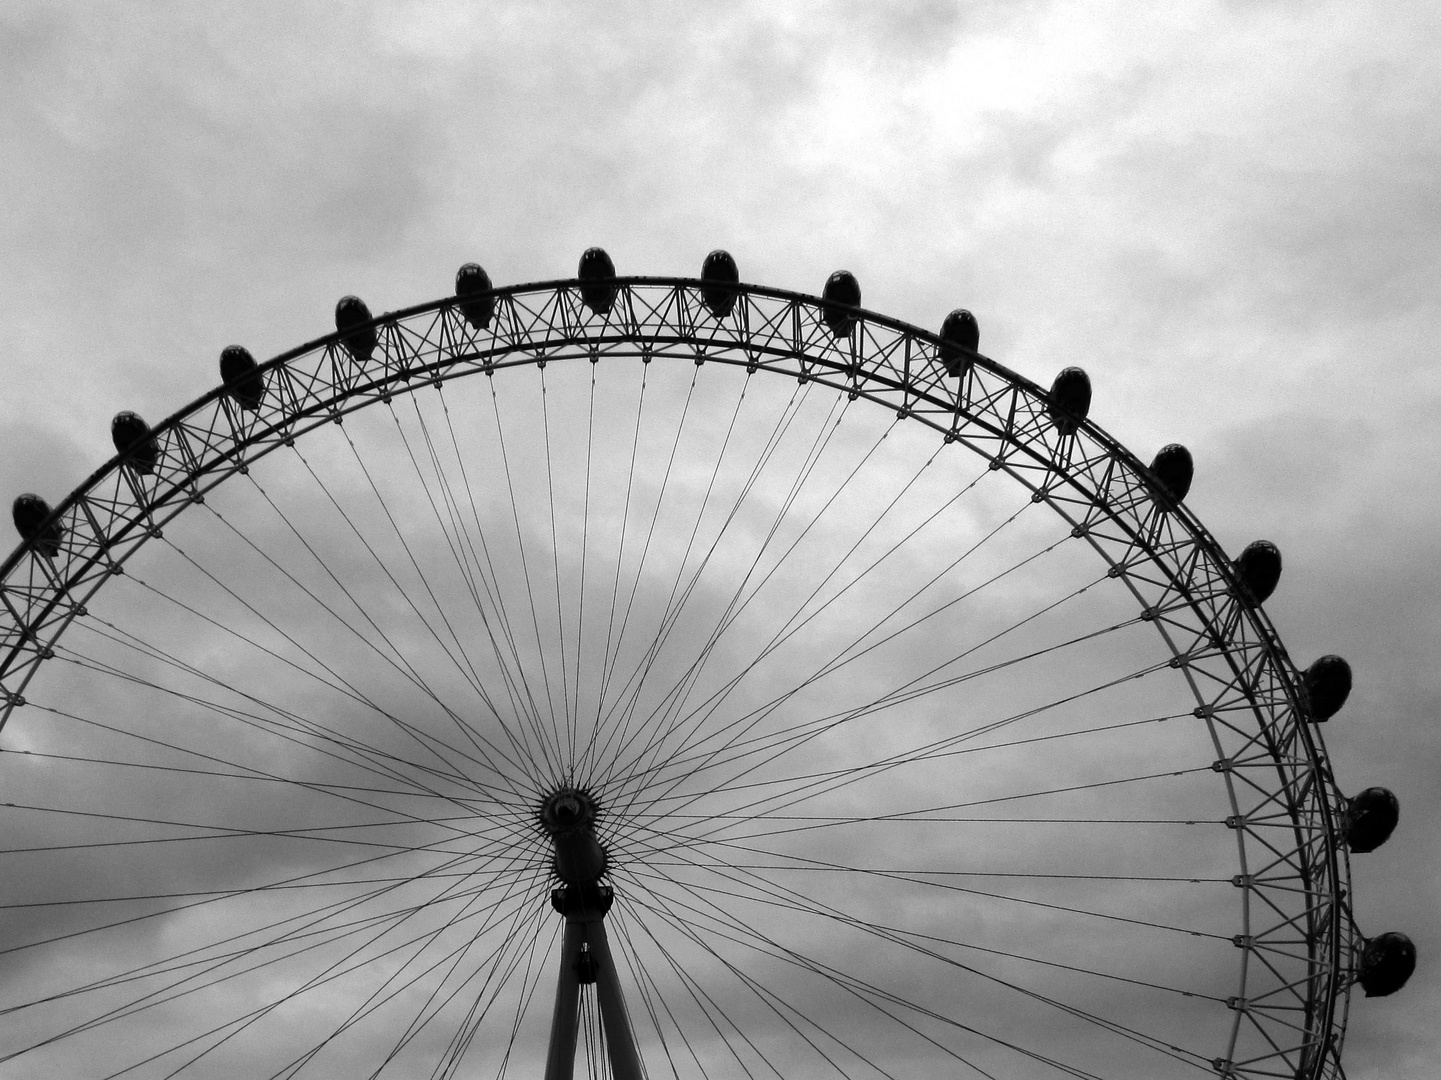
x=1229, y=214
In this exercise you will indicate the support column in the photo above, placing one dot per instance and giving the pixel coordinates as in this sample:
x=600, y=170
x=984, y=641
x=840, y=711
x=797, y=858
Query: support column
x=560, y=1058
x=585, y=957
x=619, y=1036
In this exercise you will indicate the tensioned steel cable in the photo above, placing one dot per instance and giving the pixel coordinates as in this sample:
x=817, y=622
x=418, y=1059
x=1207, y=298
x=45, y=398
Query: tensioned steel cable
x=423, y=939
x=493, y=581
x=480, y=1007
x=395, y=658
x=764, y=459
x=565, y=713
x=452, y=750
x=792, y=900
x=195, y=957
x=469, y=877
x=380, y=761
x=665, y=486
x=677, y=814
x=862, y=989
x=705, y=1003
x=245, y=772
x=626, y=703
x=815, y=727
x=379, y=997
x=736, y=606
x=400, y=663
x=384, y=569
x=651, y=995
x=435, y=1004
x=764, y=890
x=466, y=670
x=339, y=683
x=289, y=727
x=329, y=974
x=662, y=909
x=670, y=842
x=854, y=773
x=744, y=723
x=530, y=984
x=658, y=726
x=556, y=764
x=947, y=883
x=575, y=757
x=158, y=997
x=699, y=996
x=514, y=693
x=414, y=676
x=587, y=758
x=274, y=884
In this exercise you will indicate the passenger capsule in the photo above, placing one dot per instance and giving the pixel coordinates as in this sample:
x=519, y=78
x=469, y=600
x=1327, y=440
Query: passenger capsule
x=960, y=337
x=597, y=269
x=1259, y=569
x=351, y=313
x=1070, y=399
x=1327, y=683
x=241, y=376
x=1386, y=963
x=718, y=272
x=1172, y=467
x=31, y=515
x=471, y=279
x=132, y=437
x=1371, y=817
x=841, y=288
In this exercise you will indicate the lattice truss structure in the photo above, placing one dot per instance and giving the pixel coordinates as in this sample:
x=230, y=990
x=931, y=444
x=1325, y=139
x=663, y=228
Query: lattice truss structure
x=1299, y=944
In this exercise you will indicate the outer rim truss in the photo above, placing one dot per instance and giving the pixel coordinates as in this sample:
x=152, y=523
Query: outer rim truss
x=1298, y=944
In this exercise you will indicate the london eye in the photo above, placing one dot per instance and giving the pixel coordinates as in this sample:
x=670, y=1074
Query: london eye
x=664, y=677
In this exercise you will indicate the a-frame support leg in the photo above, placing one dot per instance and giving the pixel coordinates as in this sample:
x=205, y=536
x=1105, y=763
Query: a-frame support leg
x=585, y=957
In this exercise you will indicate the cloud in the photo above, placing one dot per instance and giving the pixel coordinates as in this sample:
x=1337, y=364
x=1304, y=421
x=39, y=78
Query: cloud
x=1226, y=215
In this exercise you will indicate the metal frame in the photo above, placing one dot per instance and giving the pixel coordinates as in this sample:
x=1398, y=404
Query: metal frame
x=585, y=958
x=1299, y=944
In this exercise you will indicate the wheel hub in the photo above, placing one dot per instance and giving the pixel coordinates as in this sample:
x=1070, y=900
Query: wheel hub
x=568, y=817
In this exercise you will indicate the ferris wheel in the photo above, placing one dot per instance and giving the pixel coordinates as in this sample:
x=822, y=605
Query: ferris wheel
x=660, y=677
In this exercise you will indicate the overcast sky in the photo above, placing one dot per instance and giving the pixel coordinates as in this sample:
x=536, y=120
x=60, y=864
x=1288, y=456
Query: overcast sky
x=1227, y=213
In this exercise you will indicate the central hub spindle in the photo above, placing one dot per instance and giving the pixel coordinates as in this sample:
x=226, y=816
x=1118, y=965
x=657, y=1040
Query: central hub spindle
x=568, y=817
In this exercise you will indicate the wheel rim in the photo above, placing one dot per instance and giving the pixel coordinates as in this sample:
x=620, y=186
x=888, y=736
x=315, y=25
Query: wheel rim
x=1282, y=937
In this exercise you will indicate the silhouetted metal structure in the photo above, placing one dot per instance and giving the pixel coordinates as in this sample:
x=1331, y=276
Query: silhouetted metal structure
x=1298, y=951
